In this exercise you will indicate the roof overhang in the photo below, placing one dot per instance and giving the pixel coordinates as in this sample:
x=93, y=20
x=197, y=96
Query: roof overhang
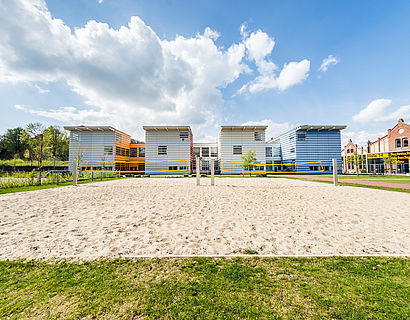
x=167, y=128
x=321, y=127
x=243, y=128
x=89, y=128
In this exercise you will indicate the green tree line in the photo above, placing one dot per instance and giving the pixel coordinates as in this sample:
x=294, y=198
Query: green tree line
x=34, y=144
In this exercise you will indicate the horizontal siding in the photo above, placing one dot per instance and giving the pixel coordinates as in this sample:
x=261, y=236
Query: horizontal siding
x=246, y=139
x=176, y=150
x=92, y=145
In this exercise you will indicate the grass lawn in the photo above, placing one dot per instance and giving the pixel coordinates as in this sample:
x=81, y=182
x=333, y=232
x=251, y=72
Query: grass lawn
x=390, y=179
x=207, y=288
x=50, y=186
x=20, y=162
x=353, y=185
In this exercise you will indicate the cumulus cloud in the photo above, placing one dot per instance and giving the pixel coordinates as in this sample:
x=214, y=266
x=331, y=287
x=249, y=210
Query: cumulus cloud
x=259, y=47
x=129, y=76
x=274, y=128
x=360, y=137
x=378, y=111
x=328, y=62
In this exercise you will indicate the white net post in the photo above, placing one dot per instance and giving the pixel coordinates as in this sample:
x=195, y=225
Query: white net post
x=75, y=172
x=335, y=178
x=198, y=171
x=212, y=172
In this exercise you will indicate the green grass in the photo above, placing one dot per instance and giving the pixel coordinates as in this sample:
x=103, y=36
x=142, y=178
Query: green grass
x=207, y=288
x=50, y=186
x=21, y=162
x=353, y=185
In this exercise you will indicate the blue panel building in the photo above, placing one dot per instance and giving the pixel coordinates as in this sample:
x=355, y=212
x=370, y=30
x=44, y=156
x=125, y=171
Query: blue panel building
x=309, y=143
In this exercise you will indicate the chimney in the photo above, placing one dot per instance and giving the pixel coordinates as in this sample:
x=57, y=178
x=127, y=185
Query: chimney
x=401, y=120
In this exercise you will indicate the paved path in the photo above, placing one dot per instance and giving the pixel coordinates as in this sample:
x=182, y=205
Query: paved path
x=360, y=182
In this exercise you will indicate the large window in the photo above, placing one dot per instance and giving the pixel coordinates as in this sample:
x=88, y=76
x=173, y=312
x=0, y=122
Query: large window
x=214, y=151
x=184, y=135
x=302, y=136
x=141, y=152
x=196, y=151
x=108, y=150
x=205, y=151
x=405, y=142
x=292, y=150
x=237, y=149
x=117, y=137
x=134, y=152
x=258, y=136
x=162, y=150
x=398, y=143
x=269, y=152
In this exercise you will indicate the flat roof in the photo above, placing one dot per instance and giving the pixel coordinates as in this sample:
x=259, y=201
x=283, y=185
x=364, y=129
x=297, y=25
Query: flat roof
x=320, y=127
x=166, y=128
x=89, y=128
x=243, y=128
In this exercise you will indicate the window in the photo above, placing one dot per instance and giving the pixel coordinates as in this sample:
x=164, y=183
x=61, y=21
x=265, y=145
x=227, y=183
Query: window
x=196, y=151
x=237, y=149
x=258, y=136
x=398, y=143
x=182, y=168
x=108, y=150
x=292, y=137
x=76, y=136
x=292, y=150
x=118, y=151
x=173, y=168
x=184, y=135
x=405, y=142
x=142, y=151
x=269, y=152
x=117, y=137
x=214, y=151
x=134, y=152
x=302, y=136
x=162, y=150
x=205, y=151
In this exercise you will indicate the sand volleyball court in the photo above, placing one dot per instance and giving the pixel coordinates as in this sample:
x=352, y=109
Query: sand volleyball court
x=172, y=216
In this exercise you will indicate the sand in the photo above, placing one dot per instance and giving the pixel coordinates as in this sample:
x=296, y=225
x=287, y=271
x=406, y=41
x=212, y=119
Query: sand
x=172, y=216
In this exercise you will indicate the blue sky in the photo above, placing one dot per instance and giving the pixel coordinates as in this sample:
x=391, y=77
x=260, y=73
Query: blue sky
x=206, y=64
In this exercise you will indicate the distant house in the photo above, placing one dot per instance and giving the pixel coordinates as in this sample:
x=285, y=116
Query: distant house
x=391, y=153
x=168, y=149
x=354, y=158
x=310, y=143
x=104, y=148
x=207, y=152
x=236, y=141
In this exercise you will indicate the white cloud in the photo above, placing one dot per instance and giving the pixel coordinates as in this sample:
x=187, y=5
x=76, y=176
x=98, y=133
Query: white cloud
x=378, y=111
x=328, y=62
x=292, y=74
x=100, y=1
x=274, y=128
x=129, y=76
x=258, y=47
x=360, y=137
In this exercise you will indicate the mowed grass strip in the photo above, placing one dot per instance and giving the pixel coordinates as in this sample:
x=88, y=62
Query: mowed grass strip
x=207, y=288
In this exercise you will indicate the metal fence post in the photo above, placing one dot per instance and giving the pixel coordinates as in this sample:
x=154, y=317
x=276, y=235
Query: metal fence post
x=335, y=179
x=212, y=172
x=198, y=172
x=39, y=178
x=101, y=176
x=92, y=176
x=75, y=172
x=58, y=178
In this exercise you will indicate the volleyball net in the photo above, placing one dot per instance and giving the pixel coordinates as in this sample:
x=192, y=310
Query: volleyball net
x=265, y=168
x=154, y=166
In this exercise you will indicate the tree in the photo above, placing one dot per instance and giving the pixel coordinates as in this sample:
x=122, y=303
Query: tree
x=249, y=159
x=35, y=133
x=388, y=162
x=13, y=143
x=54, y=139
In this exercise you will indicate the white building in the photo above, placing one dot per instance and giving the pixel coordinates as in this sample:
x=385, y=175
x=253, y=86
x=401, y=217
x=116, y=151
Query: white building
x=168, y=149
x=207, y=152
x=236, y=141
x=92, y=143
